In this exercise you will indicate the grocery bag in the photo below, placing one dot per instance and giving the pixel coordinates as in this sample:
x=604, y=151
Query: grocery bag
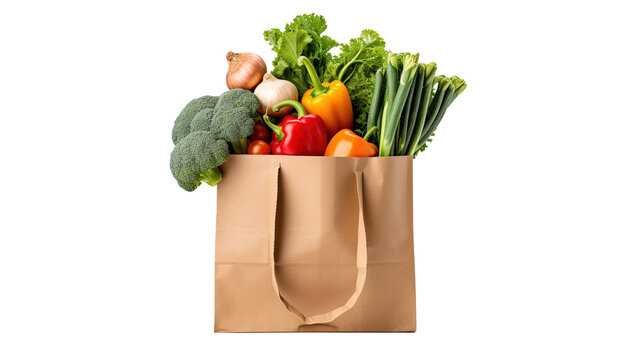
x=306, y=243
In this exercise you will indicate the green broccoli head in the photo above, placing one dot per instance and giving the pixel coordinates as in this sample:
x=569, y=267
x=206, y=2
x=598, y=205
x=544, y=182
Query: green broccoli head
x=202, y=120
x=233, y=118
x=196, y=158
x=183, y=121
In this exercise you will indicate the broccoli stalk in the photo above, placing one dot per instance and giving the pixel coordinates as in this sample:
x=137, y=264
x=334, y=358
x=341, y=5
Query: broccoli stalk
x=241, y=146
x=211, y=177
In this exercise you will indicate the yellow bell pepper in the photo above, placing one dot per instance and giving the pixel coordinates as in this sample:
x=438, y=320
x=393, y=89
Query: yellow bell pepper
x=330, y=101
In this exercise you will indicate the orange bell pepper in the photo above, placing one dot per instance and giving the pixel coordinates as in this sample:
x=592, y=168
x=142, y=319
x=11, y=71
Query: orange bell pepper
x=331, y=101
x=347, y=143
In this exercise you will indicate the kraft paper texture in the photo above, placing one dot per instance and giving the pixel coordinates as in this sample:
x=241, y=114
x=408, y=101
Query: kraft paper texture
x=309, y=243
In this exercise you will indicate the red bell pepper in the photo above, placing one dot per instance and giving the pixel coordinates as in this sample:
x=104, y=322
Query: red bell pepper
x=304, y=134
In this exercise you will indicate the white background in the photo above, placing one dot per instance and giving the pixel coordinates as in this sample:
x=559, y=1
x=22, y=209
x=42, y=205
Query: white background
x=528, y=206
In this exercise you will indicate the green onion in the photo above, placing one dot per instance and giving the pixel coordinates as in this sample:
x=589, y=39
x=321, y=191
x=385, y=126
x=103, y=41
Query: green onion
x=409, y=102
x=392, y=77
x=427, y=94
x=436, y=103
x=414, y=108
x=404, y=120
x=448, y=97
x=376, y=103
x=391, y=119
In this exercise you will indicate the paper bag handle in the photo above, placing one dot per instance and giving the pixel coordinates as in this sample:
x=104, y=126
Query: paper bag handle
x=361, y=259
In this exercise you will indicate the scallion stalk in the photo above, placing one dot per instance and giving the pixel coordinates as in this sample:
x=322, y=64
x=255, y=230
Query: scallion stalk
x=436, y=104
x=415, y=101
x=392, y=77
x=404, y=119
x=427, y=94
x=392, y=115
x=376, y=103
x=448, y=98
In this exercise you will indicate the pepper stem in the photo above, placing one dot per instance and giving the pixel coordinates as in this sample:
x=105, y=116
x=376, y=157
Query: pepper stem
x=317, y=85
x=275, y=128
x=301, y=110
x=370, y=132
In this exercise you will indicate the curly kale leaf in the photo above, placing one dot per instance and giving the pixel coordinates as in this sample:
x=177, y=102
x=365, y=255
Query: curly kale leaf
x=356, y=66
x=365, y=52
x=360, y=87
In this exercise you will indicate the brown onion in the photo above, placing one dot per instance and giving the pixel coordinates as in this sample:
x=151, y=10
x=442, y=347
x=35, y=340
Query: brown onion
x=272, y=91
x=245, y=70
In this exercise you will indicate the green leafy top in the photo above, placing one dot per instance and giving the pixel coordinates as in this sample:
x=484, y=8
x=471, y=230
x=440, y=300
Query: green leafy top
x=365, y=52
x=303, y=36
x=356, y=66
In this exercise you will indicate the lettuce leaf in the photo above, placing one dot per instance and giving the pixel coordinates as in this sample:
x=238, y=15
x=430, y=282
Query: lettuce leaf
x=303, y=36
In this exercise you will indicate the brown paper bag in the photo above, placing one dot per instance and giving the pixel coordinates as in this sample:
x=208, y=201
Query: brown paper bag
x=314, y=244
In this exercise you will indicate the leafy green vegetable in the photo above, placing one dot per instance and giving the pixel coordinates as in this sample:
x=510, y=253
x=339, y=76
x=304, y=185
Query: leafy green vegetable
x=364, y=52
x=289, y=47
x=407, y=111
x=314, y=25
x=356, y=66
x=303, y=36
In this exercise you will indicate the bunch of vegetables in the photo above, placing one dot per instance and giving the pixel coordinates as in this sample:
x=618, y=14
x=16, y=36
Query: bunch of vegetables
x=409, y=107
x=355, y=66
x=312, y=103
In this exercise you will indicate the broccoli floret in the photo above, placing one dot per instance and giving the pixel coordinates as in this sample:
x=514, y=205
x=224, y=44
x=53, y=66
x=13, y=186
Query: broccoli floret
x=202, y=120
x=233, y=118
x=183, y=121
x=196, y=158
x=202, y=132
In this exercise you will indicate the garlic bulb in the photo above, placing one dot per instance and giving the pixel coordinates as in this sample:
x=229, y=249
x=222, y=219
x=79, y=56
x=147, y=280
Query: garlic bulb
x=244, y=71
x=272, y=91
